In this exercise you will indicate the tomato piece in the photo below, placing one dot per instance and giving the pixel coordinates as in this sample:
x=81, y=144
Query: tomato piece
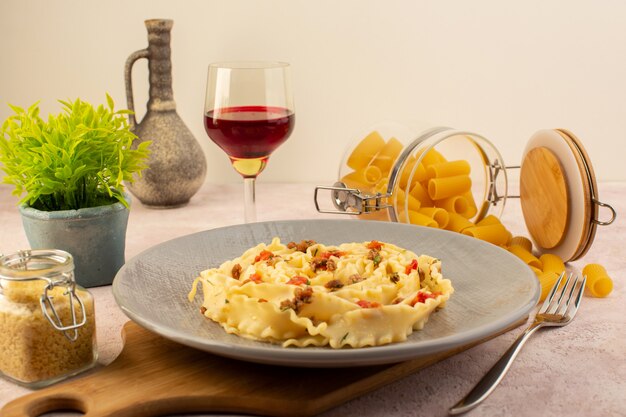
x=410, y=267
x=298, y=280
x=368, y=304
x=337, y=253
x=375, y=245
x=263, y=256
x=422, y=297
x=256, y=278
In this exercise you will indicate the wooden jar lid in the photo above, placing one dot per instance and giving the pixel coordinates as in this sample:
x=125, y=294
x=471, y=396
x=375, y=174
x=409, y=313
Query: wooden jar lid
x=558, y=193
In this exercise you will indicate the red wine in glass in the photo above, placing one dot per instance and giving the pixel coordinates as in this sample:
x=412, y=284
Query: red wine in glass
x=249, y=134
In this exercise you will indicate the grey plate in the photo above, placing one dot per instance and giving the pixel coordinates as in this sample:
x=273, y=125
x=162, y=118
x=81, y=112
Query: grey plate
x=493, y=290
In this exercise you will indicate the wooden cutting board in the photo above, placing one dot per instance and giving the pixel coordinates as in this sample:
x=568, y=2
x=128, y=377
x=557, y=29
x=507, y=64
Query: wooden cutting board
x=154, y=376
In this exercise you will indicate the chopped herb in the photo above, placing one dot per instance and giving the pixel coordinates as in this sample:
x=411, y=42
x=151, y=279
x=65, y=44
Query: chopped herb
x=315, y=252
x=344, y=337
x=226, y=301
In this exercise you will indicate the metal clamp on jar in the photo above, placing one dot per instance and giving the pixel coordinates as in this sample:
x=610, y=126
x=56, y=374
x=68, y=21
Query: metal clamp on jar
x=452, y=179
x=47, y=322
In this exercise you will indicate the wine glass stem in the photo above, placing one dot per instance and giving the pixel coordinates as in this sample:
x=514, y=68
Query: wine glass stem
x=249, y=200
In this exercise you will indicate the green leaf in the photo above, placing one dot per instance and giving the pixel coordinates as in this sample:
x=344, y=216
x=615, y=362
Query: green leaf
x=16, y=109
x=110, y=102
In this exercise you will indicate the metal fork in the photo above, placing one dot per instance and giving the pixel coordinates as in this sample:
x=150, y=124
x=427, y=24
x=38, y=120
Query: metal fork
x=558, y=309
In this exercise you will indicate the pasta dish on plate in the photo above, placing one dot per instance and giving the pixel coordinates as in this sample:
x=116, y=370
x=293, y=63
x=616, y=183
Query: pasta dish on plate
x=310, y=294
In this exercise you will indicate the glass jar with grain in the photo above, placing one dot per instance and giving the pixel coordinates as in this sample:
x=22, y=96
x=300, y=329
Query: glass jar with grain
x=47, y=322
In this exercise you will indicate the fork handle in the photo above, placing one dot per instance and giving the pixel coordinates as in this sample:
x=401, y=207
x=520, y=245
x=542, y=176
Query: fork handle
x=489, y=382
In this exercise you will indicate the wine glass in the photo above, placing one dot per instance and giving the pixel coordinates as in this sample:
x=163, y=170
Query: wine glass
x=248, y=113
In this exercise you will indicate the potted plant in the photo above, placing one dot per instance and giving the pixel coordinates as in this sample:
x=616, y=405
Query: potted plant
x=72, y=168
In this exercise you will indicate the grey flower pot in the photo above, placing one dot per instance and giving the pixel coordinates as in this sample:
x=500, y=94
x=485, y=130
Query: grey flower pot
x=95, y=236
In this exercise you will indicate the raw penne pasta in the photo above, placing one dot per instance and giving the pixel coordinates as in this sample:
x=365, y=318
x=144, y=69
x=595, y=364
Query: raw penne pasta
x=491, y=219
x=367, y=176
x=421, y=219
x=471, y=210
x=365, y=151
x=439, y=215
x=448, y=169
x=551, y=262
x=522, y=241
x=381, y=187
x=537, y=271
x=598, y=282
x=457, y=223
x=433, y=157
x=456, y=204
x=547, y=280
x=387, y=155
x=419, y=192
x=439, y=188
x=412, y=167
x=527, y=257
x=492, y=233
x=407, y=199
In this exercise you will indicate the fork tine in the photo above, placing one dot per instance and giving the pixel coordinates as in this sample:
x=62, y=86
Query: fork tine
x=556, y=302
x=569, y=291
x=573, y=307
x=546, y=303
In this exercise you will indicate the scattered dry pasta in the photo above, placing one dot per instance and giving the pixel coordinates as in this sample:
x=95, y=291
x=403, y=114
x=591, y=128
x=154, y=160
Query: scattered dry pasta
x=309, y=294
x=598, y=283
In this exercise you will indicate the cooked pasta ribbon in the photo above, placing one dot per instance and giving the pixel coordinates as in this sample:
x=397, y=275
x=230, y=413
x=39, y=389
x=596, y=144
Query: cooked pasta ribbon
x=310, y=294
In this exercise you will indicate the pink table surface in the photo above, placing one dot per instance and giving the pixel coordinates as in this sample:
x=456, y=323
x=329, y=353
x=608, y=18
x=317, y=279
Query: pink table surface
x=578, y=370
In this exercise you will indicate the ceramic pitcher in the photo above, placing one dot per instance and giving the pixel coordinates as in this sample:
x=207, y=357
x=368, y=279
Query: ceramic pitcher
x=177, y=166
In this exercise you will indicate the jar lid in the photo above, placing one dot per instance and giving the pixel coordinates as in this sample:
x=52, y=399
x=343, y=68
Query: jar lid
x=559, y=194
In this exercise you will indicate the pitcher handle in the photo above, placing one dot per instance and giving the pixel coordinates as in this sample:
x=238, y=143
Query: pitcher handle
x=129, y=83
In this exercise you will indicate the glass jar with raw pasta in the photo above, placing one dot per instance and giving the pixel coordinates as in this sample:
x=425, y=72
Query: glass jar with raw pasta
x=457, y=180
x=47, y=322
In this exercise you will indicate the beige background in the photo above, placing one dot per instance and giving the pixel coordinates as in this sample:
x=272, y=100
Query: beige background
x=502, y=69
